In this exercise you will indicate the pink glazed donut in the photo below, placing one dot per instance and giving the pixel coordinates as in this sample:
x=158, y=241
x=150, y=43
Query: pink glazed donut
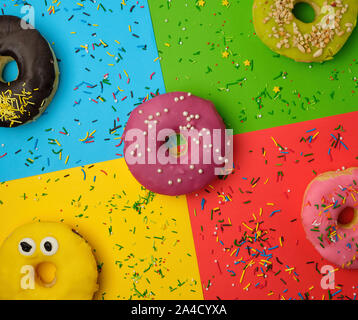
x=166, y=144
x=330, y=217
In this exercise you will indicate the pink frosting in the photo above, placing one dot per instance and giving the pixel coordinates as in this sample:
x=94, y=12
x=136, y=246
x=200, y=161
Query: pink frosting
x=324, y=200
x=173, y=111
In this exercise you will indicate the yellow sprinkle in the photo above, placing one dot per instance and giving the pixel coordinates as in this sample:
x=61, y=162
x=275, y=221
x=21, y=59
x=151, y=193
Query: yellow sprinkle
x=274, y=141
x=57, y=143
x=67, y=159
x=247, y=226
x=248, y=285
x=125, y=72
x=129, y=28
x=242, y=275
x=317, y=133
x=85, y=137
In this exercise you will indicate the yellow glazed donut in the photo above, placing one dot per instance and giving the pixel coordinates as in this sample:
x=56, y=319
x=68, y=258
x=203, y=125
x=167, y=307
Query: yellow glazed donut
x=317, y=41
x=47, y=261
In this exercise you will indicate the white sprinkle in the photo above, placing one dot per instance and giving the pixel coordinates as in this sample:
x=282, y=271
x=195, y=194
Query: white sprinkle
x=197, y=116
x=166, y=110
x=157, y=114
x=150, y=117
x=170, y=182
x=159, y=171
x=176, y=99
x=181, y=97
x=191, y=167
x=200, y=171
x=185, y=113
x=178, y=180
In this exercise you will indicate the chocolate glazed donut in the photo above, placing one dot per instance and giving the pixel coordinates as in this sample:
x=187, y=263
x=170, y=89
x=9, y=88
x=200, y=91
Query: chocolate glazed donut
x=26, y=98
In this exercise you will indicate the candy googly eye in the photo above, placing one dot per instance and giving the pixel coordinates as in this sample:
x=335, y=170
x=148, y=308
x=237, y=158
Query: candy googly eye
x=49, y=246
x=27, y=247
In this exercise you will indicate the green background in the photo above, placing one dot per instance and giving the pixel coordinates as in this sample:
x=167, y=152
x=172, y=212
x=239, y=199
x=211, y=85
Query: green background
x=191, y=40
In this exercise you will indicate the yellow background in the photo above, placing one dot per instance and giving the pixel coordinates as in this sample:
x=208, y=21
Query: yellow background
x=142, y=241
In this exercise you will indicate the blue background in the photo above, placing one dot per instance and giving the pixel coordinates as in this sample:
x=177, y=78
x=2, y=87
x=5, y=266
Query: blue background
x=35, y=148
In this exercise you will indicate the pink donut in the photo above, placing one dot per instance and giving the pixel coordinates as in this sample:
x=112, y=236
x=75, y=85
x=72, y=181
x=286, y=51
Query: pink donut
x=174, y=144
x=330, y=216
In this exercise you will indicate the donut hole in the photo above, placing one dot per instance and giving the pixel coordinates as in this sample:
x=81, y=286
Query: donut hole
x=347, y=217
x=9, y=69
x=177, y=145
x=304, y=12
x=46, y=274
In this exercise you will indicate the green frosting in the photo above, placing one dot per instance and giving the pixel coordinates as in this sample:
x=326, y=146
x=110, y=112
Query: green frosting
x=318, y=41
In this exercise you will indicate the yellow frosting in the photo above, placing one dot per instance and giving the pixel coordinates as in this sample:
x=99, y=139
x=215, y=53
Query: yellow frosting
x=66, y=270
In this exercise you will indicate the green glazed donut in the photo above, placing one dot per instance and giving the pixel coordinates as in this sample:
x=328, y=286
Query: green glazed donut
x=282, y=32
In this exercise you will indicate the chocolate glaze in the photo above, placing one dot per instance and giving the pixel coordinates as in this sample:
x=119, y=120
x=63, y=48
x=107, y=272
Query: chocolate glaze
x=36, y=64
